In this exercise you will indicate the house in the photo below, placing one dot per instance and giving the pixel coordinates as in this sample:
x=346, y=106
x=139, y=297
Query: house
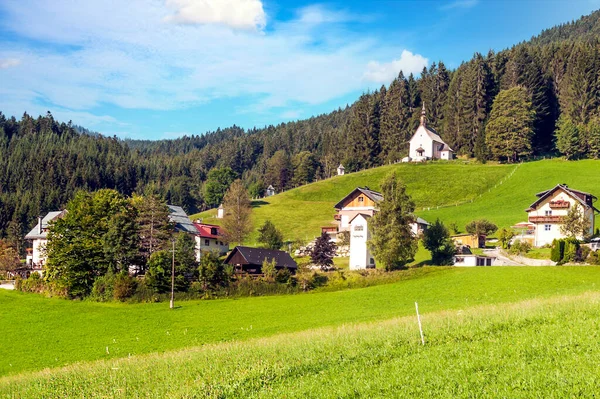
x=419, y=227
x=360, y=255
x=361, y=200
x=547, y=212
x=209, y=238
x=469, y=240
x=595, y=244
x=341, y=170
x=270, y=191
x=464, y=257
x=220, y=212
x=247, y=260
x=39, y=238
x=427, y=144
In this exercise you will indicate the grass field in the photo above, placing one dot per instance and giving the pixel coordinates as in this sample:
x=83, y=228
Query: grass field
x=496, y=193
x=40, y=332
x=543, y=348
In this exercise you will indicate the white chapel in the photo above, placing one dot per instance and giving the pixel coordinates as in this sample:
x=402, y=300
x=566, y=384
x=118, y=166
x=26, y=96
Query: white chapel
x=426, y=144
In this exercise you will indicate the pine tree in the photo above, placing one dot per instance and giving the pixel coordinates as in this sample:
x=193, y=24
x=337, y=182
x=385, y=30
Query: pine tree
x=395, y=113
x=568, y=139
x=593, y=138
x=269, y=236
x=509, y=129
x=392, y=242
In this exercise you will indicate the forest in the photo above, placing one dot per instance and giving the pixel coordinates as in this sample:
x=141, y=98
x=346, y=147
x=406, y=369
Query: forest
x=550, y=85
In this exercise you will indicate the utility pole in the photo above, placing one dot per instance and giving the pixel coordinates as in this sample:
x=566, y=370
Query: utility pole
x=172, y=303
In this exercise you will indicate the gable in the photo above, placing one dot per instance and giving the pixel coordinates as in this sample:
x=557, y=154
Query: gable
x=546, y=196
x=360, y=197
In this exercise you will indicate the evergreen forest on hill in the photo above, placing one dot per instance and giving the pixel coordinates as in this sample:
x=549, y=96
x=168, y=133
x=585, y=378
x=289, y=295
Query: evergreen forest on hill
x=554, y=80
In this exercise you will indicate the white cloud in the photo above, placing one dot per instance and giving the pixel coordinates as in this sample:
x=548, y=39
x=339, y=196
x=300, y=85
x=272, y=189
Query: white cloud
x=124, y=54
x=386, y=72
x=459, y=4
x=239, y=14
x=9, y=62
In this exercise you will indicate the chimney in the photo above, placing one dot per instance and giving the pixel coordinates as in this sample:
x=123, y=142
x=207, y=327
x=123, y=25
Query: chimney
x=39, y=225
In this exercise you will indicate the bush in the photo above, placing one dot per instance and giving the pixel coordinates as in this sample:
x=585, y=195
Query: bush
x=520, y=248
x=594, y=258
x=571, y=248
x=34, y=283
x=124, y=286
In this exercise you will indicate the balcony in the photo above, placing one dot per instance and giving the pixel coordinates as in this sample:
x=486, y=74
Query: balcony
x=560, y=204
x=545, y=219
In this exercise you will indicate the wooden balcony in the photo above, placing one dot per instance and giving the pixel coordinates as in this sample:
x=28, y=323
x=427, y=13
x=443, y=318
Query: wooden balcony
x=545, y=219
x=560, y=204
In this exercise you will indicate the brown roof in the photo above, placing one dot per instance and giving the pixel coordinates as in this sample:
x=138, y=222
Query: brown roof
x=256, y=256
x=374, y=195
x=583, y=198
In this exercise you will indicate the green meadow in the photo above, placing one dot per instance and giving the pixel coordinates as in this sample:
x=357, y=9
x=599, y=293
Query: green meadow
x=455, y=192
x=529, y=349
x=44, y=332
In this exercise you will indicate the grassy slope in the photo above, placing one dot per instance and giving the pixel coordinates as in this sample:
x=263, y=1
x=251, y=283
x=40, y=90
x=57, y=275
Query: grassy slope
x=505, y=205
x=301, y=212
x=63, y=332
x=541, y=348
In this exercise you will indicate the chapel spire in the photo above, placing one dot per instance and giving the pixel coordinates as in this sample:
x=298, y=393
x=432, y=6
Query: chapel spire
x=423, y=117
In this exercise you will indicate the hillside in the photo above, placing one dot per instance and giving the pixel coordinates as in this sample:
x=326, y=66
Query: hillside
x=477, y=344
x=454, y=192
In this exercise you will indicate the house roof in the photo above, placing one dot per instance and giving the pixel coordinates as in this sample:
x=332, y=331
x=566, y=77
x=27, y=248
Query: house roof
x=180, y=220
x=422, y=221
x=579, y=196
x=256, y=256
x=341, y=167
x=35, y=232
x=204, y=230
x=364, y=215
x=373, y=195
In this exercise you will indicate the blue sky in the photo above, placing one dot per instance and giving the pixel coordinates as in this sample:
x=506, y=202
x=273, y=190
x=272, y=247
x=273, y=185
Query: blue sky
x=152, y=69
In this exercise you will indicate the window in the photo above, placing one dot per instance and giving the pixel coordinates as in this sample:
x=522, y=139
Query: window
x=213, y=231
x=358, y=228
x=207, y=243
x=548, y=213
x=547, y=227
x=361, y=199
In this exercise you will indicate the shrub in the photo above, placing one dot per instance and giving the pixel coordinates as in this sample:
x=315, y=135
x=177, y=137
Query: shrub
x=582, y=254
x=520, y=247
x=571, y=248
x=102, y=290
x=558, y=251
x=283, y=276
x=123, y=286
x=594, y=258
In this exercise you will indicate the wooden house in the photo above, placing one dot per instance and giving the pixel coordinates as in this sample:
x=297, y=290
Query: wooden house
x=469, y=240
x=247, y=260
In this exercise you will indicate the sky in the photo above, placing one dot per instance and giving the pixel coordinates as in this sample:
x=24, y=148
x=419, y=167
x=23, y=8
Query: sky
x=161, y=69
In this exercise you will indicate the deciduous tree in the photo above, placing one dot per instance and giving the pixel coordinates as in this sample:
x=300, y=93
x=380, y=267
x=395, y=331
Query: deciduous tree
x=237, y=223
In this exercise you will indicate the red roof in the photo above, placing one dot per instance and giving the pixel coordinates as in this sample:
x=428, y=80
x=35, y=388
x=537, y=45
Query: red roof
x=205, y=230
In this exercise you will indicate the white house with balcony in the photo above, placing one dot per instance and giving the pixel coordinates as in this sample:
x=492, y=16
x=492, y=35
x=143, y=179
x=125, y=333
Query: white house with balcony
x=545, y=216
x=426, y=144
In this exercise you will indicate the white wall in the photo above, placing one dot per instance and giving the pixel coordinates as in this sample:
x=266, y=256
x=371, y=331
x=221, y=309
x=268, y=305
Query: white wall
x=360, y=255
x=39, y=251
x=213, y=246
x=421, y=139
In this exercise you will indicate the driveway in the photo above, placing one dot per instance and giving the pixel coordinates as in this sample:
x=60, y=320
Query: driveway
x=514, y=260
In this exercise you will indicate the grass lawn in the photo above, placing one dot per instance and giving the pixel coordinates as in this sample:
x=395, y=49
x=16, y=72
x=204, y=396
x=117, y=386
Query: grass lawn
x=539, y=253
x=543, y=348
x=301, y=212
x=64, y=331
